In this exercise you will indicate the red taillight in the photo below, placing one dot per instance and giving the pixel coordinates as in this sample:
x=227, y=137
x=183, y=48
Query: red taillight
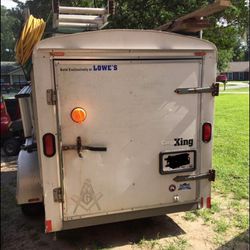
x=208, y=202
x=2, y=106
x=49, y=145
x=206, y=132
x=201, y=202
x=48, y=226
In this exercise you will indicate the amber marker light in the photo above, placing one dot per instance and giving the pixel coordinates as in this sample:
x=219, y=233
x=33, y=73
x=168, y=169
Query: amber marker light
x=78, y=115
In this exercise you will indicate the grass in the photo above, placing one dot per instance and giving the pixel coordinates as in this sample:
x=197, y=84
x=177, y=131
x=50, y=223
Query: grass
x=237, y=90
x=190, y=216
x=205, y=214
x=231, y=137
x=241, y=221
x=176, y=244
x=229, y=211
x=237, y=82
x=220, y=226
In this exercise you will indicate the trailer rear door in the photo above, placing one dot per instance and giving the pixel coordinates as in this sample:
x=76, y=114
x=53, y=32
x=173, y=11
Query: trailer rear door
x=150, y=132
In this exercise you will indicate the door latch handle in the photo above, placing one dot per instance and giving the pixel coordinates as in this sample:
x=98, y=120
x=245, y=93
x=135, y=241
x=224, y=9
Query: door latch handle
x=210, y=176
x=213, y=89
x=79, y=147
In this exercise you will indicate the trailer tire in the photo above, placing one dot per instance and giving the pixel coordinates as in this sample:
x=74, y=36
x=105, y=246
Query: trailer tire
x=11, y=146
x=32, y=209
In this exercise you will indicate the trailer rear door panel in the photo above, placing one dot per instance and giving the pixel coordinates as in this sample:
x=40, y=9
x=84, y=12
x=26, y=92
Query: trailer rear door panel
x=147, y=128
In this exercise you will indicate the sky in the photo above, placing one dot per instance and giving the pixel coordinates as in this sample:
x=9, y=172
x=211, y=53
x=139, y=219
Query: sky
x=9, y=3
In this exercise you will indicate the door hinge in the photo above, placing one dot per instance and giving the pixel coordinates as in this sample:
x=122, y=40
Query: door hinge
x=210, y=176
x=51, y=96
x=213, y=89
x=57, y=193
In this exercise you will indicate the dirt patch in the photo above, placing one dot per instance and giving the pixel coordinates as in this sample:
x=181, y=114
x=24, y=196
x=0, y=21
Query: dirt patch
x=164, y=232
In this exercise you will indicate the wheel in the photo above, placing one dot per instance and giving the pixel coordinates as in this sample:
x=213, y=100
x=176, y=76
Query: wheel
x=11, y=147
x=32, y=209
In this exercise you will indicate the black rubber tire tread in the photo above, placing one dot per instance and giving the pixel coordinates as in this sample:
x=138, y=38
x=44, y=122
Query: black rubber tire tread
x=11, y=146
x=32, y=209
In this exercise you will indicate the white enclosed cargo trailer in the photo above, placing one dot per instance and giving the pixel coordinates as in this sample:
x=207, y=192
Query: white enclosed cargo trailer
x=123, y=126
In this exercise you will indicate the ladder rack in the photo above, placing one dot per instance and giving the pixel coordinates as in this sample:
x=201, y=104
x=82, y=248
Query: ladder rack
x=81, y=18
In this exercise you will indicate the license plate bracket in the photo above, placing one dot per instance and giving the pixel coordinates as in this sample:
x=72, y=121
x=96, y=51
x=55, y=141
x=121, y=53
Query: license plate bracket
x=176, y=162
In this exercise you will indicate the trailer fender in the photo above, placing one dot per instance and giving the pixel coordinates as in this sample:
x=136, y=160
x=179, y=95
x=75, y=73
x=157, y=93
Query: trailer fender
x=29, y=189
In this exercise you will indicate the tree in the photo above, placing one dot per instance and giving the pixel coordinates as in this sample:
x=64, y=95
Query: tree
x=8, y=34
x=148, y=14
x=230, y=37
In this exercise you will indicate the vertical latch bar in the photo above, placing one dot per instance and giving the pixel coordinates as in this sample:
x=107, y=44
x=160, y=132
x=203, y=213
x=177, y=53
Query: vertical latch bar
x=51, y=96
x=57, y=193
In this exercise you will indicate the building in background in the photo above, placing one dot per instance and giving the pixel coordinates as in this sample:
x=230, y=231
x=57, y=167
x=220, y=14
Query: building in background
x=12, y=76
x=238, y=71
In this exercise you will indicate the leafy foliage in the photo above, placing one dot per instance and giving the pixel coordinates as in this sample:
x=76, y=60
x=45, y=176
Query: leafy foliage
x=230, y=38
x=148, y=14
x=8, y=34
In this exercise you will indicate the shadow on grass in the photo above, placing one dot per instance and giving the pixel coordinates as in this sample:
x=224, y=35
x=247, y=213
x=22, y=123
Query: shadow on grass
x=122, y=233
x=241, y=242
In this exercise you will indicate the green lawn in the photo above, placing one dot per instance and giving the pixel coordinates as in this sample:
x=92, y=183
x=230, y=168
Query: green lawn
x=231, y=144
x=237, y=82
x=237, y=90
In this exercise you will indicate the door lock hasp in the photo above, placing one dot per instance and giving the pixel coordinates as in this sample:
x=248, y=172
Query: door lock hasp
x=213, y=89
x=79, y=147
x=210, y=176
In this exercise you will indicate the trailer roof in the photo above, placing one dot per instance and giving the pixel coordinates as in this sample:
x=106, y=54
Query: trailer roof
x=125, y=40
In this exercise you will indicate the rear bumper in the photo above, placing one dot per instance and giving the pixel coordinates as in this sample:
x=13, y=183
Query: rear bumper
x=128, y=216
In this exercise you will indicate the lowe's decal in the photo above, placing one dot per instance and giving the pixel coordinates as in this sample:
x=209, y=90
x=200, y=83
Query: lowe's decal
x=105, y=67
x=184, y=186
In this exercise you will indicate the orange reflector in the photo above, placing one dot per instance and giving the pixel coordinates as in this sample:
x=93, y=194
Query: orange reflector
x=200, y=53
x=78, y=115
x=57, y=53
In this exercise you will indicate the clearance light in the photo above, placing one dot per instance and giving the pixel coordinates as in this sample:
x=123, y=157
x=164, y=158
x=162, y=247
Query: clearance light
x=200, y=53
x=49, y=145
x=78, y=115
x=206, y=132
x=57, y=53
